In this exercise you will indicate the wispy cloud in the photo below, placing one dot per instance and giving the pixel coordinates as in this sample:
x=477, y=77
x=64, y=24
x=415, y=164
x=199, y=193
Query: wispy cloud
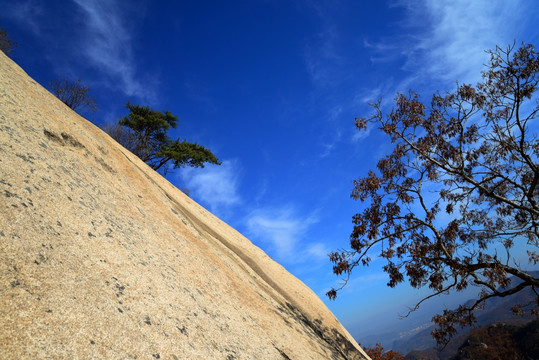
x=447, y=40
x=99, y=33
x=382, y=51
x=440, y=43
x=318, y=251
x=107, y=44
x=282, y=229
x=26, y=12
x=331, y=138
x=216, y=186
x=322, y=57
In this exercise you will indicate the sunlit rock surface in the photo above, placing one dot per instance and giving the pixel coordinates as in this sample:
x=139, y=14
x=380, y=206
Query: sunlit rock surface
x=101, y=257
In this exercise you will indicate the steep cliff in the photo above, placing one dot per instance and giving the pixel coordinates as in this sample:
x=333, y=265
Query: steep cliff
x=101, y=257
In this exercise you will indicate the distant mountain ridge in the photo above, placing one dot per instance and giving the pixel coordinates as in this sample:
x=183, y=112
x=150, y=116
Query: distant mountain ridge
x=497, y=310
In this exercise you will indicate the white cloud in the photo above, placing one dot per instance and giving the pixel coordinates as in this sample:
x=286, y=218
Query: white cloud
x=440, y=43
x=214, y=185
x=318, y=251
x=361, y=134
x=327, y=148
x=99, y=33
x=323, y=57
x=107, y=44
x=451, y=44
x=282, y=229
x=333, y=136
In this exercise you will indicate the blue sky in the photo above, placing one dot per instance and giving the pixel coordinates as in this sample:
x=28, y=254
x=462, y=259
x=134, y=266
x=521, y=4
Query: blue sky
x=272, y=88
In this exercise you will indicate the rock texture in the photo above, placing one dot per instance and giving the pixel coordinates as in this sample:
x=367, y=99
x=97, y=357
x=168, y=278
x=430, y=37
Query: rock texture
x=102, y=258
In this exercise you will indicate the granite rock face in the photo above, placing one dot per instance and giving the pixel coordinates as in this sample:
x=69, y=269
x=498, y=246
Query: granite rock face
x=102, y=258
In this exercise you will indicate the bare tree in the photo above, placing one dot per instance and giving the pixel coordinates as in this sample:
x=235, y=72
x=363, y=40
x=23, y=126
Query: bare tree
x=456, y=201
x=123, y=135
x=74, y=94
x=6, y=45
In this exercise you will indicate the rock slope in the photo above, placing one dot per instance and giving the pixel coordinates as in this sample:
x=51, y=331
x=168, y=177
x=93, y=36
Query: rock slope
x=102, y=258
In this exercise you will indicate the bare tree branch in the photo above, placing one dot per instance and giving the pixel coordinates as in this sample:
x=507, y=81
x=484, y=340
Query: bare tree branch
x=73, y=94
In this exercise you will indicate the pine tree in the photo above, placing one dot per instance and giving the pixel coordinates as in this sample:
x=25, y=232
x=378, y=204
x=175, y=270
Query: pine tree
x=155, y=147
